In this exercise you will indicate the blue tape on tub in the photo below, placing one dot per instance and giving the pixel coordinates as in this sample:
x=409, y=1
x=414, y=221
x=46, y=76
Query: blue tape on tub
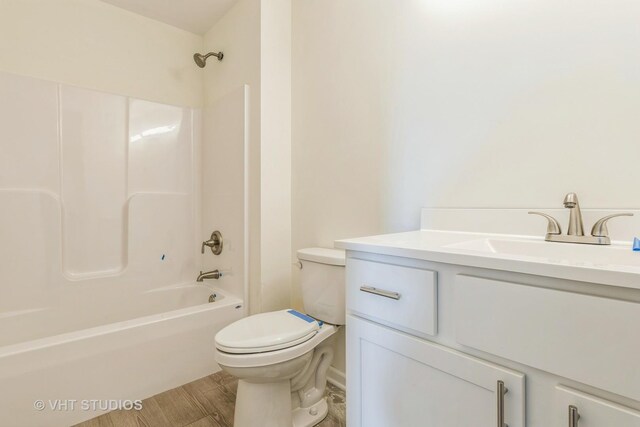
x=302, y=316
x=636, y=244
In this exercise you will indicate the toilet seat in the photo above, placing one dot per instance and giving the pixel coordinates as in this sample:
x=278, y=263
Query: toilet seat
x=266, y=332
x=249, y=360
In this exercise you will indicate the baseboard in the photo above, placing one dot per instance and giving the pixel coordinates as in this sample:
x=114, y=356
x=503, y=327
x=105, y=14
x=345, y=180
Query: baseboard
x=337, y=378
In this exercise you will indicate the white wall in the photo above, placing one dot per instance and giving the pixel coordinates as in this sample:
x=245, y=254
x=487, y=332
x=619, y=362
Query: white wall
x=237, y=34
x=224, y=167
x=94, y=45
x=255, y=37
x=459, y=103
x=276, y=154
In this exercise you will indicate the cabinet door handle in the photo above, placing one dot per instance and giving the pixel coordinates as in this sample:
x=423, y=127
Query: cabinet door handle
x=502, y=390
x=380, y=292
x=574, y=416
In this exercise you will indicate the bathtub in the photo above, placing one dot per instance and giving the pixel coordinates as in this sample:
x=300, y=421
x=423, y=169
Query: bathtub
x=107, y=349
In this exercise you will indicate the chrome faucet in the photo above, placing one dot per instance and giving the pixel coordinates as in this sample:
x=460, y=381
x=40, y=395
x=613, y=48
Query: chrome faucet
x=575, y=233
x=213, y=274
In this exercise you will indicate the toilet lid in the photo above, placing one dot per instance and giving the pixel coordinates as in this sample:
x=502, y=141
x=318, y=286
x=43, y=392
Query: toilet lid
x=267, y=332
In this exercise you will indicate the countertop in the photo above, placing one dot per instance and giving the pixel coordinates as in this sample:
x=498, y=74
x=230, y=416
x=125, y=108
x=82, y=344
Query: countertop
x=614, y=265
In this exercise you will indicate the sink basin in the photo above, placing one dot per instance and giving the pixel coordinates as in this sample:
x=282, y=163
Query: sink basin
x=557, y=253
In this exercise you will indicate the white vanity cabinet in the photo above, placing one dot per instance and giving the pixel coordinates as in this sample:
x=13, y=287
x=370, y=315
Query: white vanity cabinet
x=434, y=345
x=396, y=378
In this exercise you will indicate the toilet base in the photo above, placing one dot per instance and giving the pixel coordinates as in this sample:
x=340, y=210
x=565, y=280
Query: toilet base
x=275, y=411
x=303, y=417
x=263, y=404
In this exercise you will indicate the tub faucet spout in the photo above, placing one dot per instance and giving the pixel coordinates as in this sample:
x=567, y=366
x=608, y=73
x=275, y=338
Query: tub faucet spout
x=213, y=274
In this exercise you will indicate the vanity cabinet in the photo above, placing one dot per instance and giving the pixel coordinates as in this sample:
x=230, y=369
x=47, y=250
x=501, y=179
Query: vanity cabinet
x=399, y=380
x=435, y=345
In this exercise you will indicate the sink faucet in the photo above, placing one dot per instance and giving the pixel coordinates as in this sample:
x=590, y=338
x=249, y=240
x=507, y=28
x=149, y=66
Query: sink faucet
x=576, y=227
x=575, y=233
x=213, y=274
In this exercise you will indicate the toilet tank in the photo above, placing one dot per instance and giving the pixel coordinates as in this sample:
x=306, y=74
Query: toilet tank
x=322, y=280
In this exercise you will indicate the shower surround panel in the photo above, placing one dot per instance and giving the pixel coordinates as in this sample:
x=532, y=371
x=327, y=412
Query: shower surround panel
x=100, y=246
x=105, y=168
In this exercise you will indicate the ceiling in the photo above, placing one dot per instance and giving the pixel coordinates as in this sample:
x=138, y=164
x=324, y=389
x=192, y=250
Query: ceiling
x=196, y=16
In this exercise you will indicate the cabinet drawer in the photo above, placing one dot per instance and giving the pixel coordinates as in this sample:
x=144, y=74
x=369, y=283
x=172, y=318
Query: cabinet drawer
x=592, y=411
x=402, y=297
x=590, y=339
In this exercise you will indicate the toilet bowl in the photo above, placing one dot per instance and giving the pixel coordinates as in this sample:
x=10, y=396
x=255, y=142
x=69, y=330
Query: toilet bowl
x=281, y=358
x=284, y=386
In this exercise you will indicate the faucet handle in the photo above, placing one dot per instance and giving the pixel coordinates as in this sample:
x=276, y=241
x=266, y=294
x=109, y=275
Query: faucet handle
x=215, y=243
x=553, y=227
x=600, y=227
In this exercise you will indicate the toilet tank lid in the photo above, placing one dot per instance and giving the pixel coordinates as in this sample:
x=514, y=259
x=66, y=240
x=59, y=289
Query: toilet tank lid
x=322, y=255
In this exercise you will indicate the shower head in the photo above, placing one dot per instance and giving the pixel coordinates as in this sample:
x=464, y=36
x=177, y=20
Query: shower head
x=201, y=60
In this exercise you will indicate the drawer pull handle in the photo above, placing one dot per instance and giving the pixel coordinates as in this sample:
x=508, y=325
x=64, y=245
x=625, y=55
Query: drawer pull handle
x=502, y=390
x=380, y=292
x=574, y=416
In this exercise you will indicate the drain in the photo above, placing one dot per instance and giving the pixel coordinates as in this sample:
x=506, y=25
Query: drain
x=212, y=297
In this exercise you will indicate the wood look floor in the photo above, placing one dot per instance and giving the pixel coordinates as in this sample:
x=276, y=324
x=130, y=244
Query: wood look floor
x=207, y=402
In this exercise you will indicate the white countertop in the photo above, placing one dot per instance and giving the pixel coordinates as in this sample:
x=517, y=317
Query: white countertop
x=615, y=265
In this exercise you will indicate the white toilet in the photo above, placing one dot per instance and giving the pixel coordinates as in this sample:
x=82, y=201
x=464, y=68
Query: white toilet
x=281, y=358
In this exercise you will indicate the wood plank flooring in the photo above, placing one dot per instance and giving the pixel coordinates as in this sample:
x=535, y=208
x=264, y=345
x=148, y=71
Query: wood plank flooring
x=207, y=402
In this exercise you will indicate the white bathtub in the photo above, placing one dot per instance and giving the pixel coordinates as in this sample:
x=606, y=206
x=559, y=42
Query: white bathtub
x=120, y=345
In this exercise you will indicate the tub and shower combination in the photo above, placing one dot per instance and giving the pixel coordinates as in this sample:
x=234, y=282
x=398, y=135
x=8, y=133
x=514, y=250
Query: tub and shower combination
x=104, y=208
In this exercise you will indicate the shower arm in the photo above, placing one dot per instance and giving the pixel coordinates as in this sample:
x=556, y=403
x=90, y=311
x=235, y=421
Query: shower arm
x=218, y=55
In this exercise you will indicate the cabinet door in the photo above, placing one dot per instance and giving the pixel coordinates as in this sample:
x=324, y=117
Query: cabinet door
x=592, y=411
x=590, y=339
x=394, y=379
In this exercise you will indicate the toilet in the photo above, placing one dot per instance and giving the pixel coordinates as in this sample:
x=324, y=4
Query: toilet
x=281, y=358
